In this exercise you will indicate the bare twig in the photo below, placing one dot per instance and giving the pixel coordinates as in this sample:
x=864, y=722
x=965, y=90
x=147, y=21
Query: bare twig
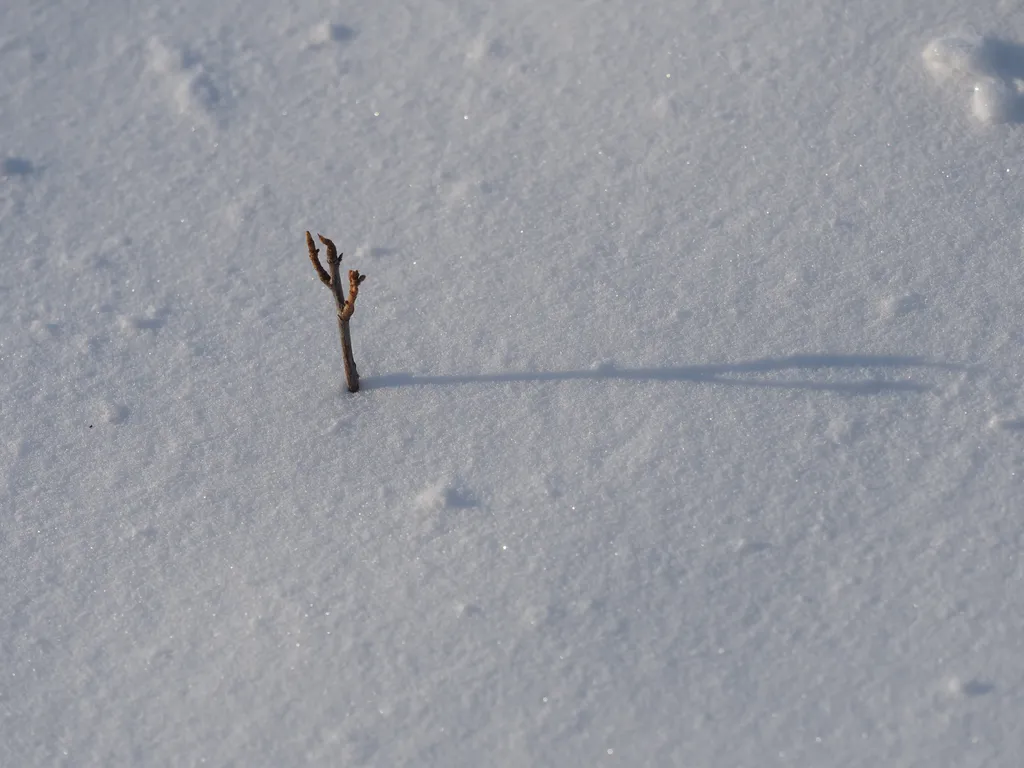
x=345, y=307
x=314, y=257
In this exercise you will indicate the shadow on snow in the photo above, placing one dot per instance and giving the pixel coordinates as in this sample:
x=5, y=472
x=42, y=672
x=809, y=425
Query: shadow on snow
x=728, y=374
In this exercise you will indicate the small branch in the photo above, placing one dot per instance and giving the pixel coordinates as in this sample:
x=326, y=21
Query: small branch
x=354, y=279
x=314, y=257
x=345, y=307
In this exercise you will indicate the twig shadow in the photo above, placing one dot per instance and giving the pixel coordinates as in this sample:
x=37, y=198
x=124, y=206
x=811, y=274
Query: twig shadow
x=726, y=374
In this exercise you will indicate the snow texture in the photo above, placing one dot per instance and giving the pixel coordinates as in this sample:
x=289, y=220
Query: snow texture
x=992, y=67
x=691, y=430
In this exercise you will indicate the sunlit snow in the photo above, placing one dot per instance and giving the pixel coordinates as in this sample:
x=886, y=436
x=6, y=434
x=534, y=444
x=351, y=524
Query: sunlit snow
x=690, y=432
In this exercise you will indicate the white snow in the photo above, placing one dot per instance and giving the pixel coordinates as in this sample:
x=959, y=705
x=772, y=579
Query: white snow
x=959, y=56
x=690, y=432
x=994, y=101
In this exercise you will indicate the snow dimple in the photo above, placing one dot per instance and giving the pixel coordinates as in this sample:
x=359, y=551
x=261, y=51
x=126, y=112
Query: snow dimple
x=16, y=166
x=466, y=610
x=844, y=431
x=745, y=546
x=152, y=319
x=327, y=32
x=197, y=93
x=114, y=412
x=441, y=496
x=893, y=307
x=991, y=70
x=440, y=509
x=1010, y=424
x=483, y=48
x=194, y=91
x=958, y=687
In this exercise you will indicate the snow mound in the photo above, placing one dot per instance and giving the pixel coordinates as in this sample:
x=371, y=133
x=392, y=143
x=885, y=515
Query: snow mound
x=957, y=57
x=994, y=101
x=984, y=65
x=327, y=32
x=193, y=90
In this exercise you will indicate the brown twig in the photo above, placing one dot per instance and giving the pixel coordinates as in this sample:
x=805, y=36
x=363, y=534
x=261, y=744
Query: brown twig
x=314, y=257
x=345, y=307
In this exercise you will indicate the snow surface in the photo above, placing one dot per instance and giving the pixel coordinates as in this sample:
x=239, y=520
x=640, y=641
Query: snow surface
x=691, y=431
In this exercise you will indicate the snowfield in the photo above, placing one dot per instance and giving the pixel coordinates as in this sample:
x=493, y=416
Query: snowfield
x=691, y=429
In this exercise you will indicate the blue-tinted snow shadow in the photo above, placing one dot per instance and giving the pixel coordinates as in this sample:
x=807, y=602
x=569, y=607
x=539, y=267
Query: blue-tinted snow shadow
x=1005, y=60
x=17, y=166
x=978, y=688
x=727, y=374
x=1005, y=57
